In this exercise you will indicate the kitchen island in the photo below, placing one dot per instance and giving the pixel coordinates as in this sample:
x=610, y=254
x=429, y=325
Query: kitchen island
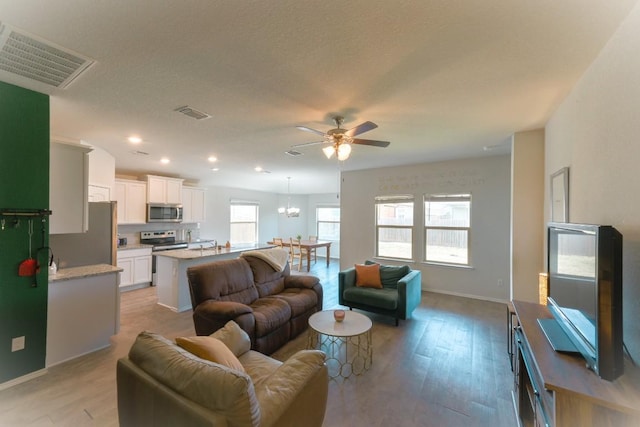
x=171, y=268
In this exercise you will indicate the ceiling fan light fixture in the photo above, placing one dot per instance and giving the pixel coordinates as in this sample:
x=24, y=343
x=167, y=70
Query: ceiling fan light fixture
x=344, y=150
x=329, y=151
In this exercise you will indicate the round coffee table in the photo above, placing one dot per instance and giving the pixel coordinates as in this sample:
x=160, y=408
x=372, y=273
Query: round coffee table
x=347, y=344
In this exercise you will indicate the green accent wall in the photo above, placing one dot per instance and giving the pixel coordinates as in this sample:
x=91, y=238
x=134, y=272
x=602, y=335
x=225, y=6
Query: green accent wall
x=24, y=184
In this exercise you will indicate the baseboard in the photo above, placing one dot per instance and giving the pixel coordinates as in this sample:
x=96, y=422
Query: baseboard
x=22, y=379
x=459, y=294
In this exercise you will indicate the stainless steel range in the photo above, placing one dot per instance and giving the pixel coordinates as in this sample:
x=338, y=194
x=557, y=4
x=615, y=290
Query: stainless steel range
x=161, y=241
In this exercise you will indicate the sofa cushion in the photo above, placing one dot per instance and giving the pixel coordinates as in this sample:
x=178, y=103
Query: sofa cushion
x=236, y=339
x=384, y=298
x=270, y=313
x=268, y=281
x=258, y=366
x=300, y=300
x=368, y=276
x=227, y=280
x=197, y=379
x=212, y=349
x=391, y=274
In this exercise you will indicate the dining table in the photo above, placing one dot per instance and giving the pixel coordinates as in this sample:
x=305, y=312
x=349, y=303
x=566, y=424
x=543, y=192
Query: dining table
x=308, y=245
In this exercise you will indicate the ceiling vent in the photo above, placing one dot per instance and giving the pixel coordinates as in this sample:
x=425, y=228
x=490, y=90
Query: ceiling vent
x=38, y=60
x=192, y=112
x=294, y=153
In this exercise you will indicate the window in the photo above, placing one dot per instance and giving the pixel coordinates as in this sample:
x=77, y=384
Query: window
x=244, y=222
x=394, y=224
x=447, y=220
x=328, y=222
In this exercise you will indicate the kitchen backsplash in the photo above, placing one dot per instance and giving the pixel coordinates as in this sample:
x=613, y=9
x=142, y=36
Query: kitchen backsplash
x=132, y=231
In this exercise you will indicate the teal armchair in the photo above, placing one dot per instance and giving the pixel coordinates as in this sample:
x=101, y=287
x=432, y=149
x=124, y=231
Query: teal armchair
x=400, y=294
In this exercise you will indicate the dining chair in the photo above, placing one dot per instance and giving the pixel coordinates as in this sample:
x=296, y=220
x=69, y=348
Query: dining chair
x=278, y=241
x=313, y=251
x=297, y=251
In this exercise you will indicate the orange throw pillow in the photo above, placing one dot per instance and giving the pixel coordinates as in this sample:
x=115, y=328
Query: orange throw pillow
x=212, y=349
x=368, y=276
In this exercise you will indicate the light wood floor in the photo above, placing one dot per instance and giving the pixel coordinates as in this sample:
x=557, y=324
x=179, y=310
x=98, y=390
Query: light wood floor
x=447, y=366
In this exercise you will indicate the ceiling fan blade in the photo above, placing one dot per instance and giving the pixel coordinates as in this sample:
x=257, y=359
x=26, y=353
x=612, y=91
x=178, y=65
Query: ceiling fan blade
x=306, y=129
x=361, y=128
x=306, y=144
x=372, y=142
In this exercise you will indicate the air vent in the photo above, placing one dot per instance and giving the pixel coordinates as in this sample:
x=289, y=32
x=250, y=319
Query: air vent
x=192, y=112
x=33, y=58
x=294, y=153
x=139, y=153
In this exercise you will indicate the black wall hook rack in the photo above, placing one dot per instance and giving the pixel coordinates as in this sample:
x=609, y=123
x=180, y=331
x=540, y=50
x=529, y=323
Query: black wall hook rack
x=25, y=212
x=15, y=213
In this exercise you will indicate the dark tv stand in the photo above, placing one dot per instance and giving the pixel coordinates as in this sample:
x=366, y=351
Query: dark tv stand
x=556, y=389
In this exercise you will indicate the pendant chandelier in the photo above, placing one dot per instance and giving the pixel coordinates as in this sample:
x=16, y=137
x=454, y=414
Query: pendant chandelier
x=289, y=211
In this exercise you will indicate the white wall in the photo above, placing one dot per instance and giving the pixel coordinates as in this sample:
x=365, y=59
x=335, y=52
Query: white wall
x=488, y=181
x=217, y=200
x=596, y=133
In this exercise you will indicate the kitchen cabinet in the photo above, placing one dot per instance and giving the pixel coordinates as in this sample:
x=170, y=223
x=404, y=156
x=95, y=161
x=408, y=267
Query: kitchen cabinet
x=68, y=187
x=98, y=193
x=193, y=204
x=161, y=189
x=136, y=267
x=131, y=197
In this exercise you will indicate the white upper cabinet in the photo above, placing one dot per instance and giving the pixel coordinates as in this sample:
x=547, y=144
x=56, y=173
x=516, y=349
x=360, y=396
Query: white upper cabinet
x=102, y=175
x=68, y=187
x=132, y=204
x=161, y=189
x=98, y=193
x=193, y=204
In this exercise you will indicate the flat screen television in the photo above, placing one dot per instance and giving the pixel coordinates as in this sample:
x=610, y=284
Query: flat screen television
x=584, y=264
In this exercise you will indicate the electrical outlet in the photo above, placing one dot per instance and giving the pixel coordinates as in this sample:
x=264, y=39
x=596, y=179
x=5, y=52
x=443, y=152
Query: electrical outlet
x=500, y=283
x=17, y=343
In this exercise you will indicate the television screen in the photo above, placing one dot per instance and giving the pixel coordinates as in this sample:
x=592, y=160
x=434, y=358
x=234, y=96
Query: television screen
x=572, y=270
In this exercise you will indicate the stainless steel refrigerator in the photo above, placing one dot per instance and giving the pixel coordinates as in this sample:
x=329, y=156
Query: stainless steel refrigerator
x=97, y=246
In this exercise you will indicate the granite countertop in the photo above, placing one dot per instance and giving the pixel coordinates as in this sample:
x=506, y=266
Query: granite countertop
x=134, y=246
x=84, y=271
x=210, y=252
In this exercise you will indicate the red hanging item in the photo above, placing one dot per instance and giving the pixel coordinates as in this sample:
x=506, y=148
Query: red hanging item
x=29, y=266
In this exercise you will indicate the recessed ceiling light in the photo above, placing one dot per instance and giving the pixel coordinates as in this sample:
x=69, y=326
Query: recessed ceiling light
x=215, y=169
x=258, y=169
x=134, y=139
x=212, y=159
x=164, y=160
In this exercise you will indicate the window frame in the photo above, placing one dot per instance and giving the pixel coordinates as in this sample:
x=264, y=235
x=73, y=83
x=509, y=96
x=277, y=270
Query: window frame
x=256, y=205
x=394, y=199
x=318, y=221
x=450, y=197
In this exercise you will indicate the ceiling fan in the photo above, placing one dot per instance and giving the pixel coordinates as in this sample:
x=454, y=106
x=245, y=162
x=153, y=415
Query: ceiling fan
x=339, y=140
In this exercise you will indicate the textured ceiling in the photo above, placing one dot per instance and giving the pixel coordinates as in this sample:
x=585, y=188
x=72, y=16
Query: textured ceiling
x=442, y=79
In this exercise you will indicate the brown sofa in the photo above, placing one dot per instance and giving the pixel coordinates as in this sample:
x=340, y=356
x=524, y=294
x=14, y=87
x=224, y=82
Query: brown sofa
x=272, y=306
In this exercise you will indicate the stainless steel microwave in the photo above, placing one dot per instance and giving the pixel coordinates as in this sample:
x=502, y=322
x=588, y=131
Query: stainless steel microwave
x=158, y=212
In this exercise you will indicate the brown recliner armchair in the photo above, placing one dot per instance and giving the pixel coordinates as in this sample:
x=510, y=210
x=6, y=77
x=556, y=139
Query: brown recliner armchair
x=162, y=384
x=272, y=306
